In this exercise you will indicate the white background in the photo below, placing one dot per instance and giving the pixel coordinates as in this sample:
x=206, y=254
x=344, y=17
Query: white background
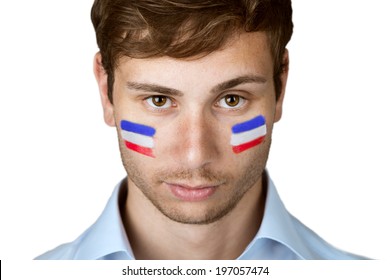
x=330, y=153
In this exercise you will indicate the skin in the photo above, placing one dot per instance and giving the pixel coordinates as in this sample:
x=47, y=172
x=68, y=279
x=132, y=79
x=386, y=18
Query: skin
x=192, y=148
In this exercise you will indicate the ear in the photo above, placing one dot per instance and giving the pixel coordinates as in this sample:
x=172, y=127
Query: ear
x=283, y=78
x=101, y=78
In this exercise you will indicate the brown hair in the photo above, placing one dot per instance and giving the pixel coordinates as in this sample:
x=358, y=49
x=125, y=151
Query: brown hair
x=186, y=28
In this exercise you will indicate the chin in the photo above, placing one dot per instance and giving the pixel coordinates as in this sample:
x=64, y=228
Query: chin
x=197, y=214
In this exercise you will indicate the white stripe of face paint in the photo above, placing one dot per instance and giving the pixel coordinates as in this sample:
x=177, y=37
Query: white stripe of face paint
x=138, y=139
x=247, y=136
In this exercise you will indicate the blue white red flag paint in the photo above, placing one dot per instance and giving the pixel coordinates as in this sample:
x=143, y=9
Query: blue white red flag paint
x=248, y=134
x=138, y=137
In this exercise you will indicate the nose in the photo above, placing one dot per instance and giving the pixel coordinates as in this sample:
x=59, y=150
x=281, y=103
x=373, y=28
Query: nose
x=197, y=141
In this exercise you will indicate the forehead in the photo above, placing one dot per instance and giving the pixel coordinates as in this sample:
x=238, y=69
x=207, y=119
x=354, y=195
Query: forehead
x=244, y=54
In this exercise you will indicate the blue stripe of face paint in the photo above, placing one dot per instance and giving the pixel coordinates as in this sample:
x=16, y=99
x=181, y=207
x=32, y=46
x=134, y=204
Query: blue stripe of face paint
x=249, y=125
x=137, y=128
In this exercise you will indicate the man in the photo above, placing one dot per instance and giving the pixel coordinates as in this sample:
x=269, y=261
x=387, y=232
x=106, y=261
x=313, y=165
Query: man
x=194, y=88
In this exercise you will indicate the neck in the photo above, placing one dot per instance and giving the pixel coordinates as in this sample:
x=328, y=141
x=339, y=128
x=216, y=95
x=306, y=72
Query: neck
x=154, y=236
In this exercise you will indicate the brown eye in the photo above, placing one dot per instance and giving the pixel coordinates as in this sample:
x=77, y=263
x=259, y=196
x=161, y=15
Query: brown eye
x=159, y=101
x=232, y=100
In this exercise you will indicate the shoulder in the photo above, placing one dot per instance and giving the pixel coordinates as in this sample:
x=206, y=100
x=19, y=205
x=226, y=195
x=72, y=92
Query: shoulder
x=104, y=239
x=62, y=252
x=66, y=251
x=283, y=228
x=320, y=249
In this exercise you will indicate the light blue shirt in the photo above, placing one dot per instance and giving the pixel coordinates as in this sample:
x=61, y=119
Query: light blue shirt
x=280, y=237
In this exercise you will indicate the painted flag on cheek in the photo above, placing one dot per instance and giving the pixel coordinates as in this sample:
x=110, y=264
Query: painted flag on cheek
x=248, y=134
x=138, y=137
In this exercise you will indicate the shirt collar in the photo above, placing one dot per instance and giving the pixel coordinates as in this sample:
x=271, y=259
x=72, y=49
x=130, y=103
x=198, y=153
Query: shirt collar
x=107, y=235
x=278, y=225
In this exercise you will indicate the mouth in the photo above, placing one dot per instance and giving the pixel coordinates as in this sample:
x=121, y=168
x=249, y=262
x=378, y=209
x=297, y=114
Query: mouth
x=192, y=193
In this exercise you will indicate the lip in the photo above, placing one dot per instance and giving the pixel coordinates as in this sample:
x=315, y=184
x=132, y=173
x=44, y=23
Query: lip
x=191, y=193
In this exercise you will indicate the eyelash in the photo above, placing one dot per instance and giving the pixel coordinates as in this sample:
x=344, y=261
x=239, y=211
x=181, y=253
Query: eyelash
x=241, y=102
x=154, y=107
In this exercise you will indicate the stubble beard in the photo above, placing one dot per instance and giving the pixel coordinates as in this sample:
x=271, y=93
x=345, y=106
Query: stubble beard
x=252, y=175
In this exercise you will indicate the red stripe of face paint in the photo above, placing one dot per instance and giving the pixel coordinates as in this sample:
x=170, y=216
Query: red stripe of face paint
x=248, y=145
x=140, y=149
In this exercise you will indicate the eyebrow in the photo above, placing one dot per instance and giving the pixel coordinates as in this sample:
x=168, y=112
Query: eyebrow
x=238, y=81
x=218, y=88
x=153, y=88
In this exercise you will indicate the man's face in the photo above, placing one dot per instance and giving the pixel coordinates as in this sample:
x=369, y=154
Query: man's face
x=194, y=176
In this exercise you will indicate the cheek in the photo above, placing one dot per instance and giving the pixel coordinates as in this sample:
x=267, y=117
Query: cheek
x=138, y=137
x=248, y=134
x=244, y=136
